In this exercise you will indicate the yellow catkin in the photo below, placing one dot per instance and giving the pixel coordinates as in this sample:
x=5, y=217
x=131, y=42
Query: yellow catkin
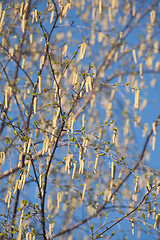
x=25, y=147
x=32, y=13
x=27, y=236
x=74, y=170
x=126, y=127
x=154, y=128
x=65, y=9
x=23, y=62
x=156, y=47
x=64, y=51
x=51, y=226
x=81, y=169
x=154, y=213
x=122, y=48
x=113, y=200
x=47, y=144
x=153, y=82
x=69, y=159
x=67, y=164
x=75, y=79
x=10, y=91
x=6, y=98
x=89, y=81
x=36, y=14
x=120, y=35
x=136, y=102
x=136, y=185
x=134, y=197
x=59, y=198
x=1, y=4
x=153, y=143
x=2, y=20
x=112, y=94
x=81, y=90
x=28, y=170
x=8, y=198
x=2, y=157
x=87, y=85
x=84, y=190
x=23, y=24
x=39, y=83
x=35, y=105
x=83, y=48
x=144, y=104
x=44, y=146
x=24, y=180
x=156, y=224
x=100, y=6
x=141, y=69
x=16, y=186
x=41, y=180
x=114, y=136
x=100, y=36
x=85, y=143
x=72, y=123
x=153, y=16
x=157, y=66
x=21, y=9
x=20, y=182
x=113, y=169
x=29, y=144
x=96, y=163
x=20, y=159
x=49, y=202
x=52, y=16
x=31, y=38
x=110, y=190
x=134, y=56
x=83, y=120
x=116, y=56
x=80, y=153
x=158, y=188
x=134, y=9
x=133, y=227
x=120, y=174
x=42, y=58
x=20, y=226
x=145, y=130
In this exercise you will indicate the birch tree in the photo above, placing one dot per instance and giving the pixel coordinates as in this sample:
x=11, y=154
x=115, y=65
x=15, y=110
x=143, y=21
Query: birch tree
x=79, y=119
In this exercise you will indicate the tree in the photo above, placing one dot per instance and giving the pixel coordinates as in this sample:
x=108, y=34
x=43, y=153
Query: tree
x=79, y=106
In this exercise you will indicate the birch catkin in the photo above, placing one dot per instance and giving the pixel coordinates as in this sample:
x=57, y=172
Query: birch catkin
x=100, y=6
x=136, y=102
x=74, y=170
x=154, y=128
x=39, y=83
x=20, y=226
x=84, y=189
x=96, y=163
x=153, y=16
x=35, y=105
x=134, y=56
x=83, y=48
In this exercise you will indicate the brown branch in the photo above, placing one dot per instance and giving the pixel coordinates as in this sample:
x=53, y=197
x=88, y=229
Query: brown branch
x=15, y=77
